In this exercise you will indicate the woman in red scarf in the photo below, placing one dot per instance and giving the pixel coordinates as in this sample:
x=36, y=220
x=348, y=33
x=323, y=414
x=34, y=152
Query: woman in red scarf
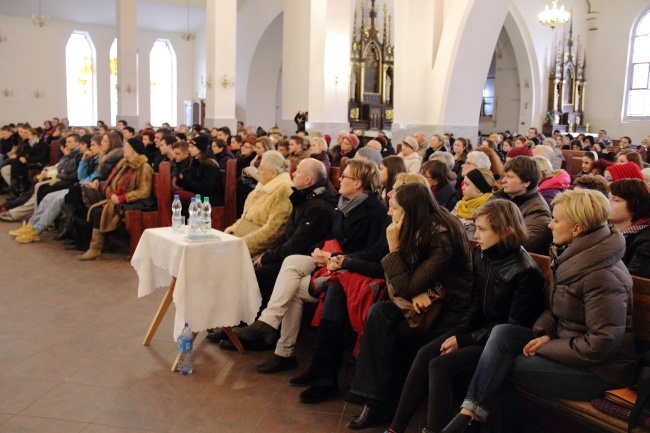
x=129, y=182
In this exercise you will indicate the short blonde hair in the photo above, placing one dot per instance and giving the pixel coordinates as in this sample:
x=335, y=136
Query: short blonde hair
x=275, y=161
x=585, y=207
x=407, y=177
x=322, y=144
x=367, y=172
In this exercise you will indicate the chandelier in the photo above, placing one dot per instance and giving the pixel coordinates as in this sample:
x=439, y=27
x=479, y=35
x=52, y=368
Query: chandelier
x=40, y=19
x=188, y=36
x=553, y=17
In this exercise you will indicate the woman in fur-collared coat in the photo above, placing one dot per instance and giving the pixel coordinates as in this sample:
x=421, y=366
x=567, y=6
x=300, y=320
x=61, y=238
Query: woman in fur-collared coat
x=131, y=180
x=267, y=207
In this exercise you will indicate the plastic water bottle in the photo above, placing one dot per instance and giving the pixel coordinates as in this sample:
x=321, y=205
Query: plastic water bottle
x=185, y=342
x=177, y=217
x=193, y=219
x=206, y=217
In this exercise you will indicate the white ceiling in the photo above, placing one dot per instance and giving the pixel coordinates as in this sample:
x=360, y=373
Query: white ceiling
x=161, y=15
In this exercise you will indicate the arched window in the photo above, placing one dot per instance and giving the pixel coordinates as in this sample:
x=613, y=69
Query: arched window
x=638, y=91
x=80, y=79
x=162, y=81
x=113, y=82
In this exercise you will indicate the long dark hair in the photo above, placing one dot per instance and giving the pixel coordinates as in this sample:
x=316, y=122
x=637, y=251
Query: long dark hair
x=394, y=164
x=422, y=216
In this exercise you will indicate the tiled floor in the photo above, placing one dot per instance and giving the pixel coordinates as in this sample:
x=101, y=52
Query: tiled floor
x=72, y=360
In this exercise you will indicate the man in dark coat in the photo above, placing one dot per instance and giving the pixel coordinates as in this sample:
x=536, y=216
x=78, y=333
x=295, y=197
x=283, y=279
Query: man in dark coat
x=314, y=202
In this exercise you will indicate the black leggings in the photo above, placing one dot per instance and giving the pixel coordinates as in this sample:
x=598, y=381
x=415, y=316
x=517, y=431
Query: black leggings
x=440, y=373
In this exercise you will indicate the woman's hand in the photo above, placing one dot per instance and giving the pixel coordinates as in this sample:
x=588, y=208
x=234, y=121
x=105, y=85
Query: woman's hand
x=320, y=257
x=531, y=348
x=335, y=263
x=115, y=199
x=421, y=302
x=449, y=345
x=392, y=234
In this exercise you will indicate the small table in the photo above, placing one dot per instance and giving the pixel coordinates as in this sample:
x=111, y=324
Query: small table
x=213, y=282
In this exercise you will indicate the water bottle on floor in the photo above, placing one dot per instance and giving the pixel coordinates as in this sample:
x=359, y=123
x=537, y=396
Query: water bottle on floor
x=177, y=217
x=193, y=220
x=206, y=217
x=185, y=342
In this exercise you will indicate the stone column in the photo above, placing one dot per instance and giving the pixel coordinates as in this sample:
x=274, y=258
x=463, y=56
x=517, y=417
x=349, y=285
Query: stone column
x=316, y=63
x=221, y=46
x=127, y=62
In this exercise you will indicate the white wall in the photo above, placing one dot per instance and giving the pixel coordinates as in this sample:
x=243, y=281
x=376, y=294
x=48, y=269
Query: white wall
x=508, y=98
x=34, y=59
x=253, y=19
x=607, y=68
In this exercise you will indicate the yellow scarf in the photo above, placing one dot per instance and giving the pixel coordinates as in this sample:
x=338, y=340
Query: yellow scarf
x=466, y=208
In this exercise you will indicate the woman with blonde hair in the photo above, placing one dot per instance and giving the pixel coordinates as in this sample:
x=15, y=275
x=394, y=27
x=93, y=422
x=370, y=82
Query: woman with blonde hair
x=583, y=344
x=267, y=207
x=318, y=150
x=551, y=182
x=478, y=186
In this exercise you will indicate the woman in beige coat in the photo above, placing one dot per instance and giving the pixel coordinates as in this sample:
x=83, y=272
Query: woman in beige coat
x=130, y=181
x=267, y=207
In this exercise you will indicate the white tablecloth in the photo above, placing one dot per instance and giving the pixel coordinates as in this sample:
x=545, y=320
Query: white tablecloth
x=215, y=280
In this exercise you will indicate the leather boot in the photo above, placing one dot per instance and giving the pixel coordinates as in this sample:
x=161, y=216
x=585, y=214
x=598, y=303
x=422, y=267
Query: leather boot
x=462, y=424
x=327, y=358
x=67, y=232
x=14, y=189
x=96, y=244
x=373, y=414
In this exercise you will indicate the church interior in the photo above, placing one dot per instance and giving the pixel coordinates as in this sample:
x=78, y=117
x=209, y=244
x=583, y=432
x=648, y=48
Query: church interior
x=72, y=358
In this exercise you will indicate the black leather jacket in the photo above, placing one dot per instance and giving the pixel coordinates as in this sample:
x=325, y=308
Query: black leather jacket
x=508, y=288
x=637, y=253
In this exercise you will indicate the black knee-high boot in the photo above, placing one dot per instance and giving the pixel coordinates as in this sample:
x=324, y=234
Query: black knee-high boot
x=323, y=372
x=67, y=232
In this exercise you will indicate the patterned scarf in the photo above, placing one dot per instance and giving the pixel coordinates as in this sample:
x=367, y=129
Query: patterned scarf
x=466, y=207
x=123, y=178
x=636, y=226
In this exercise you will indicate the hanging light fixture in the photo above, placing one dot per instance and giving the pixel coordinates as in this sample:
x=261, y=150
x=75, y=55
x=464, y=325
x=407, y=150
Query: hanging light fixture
x=40, y=20
x=554, y=16
x=188, y=36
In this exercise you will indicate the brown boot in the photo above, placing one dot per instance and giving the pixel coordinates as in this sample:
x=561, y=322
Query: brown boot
x=95, y=250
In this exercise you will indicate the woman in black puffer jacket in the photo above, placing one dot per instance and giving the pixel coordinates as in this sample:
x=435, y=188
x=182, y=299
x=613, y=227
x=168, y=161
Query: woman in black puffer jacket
x=508, y=287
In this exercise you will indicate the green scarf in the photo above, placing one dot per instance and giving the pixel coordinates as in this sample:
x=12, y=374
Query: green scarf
x=466, y=208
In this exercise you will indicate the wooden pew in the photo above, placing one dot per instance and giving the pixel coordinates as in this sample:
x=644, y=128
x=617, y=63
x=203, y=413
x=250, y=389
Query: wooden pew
x=558, y=415
x=137, y=222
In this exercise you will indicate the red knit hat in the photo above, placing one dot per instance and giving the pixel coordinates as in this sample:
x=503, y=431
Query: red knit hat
x=629, y=170
x=328, y=139
x=353, y=139
x=519, y=151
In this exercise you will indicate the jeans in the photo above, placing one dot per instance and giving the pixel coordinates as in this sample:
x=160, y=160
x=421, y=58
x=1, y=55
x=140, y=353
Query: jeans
x=386, y=336
x=502, y=359
x=47, y=211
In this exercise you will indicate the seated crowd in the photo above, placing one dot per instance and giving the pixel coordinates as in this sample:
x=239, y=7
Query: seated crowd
x=433, y=227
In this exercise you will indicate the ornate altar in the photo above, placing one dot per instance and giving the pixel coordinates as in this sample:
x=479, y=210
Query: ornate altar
x=371, y=73
x=567, y=83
